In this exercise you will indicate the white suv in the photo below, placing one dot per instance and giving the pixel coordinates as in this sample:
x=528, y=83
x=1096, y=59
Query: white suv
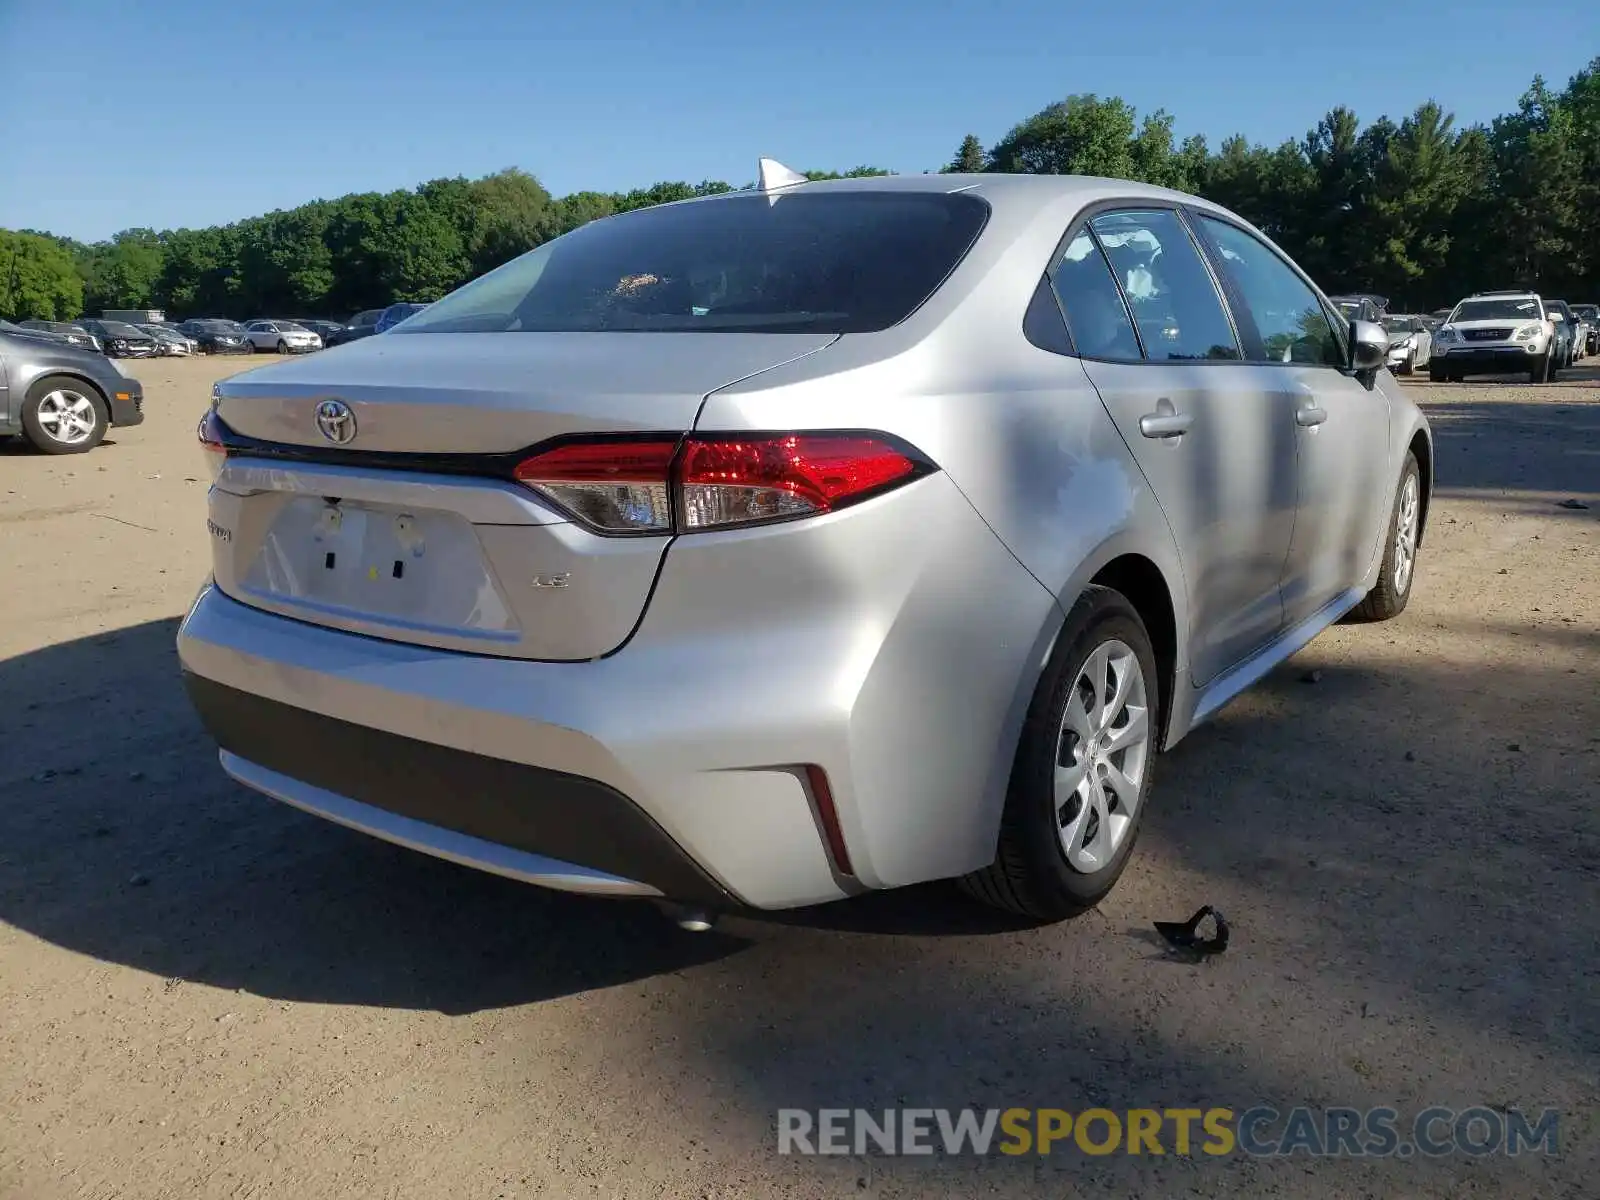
x=1494, y=333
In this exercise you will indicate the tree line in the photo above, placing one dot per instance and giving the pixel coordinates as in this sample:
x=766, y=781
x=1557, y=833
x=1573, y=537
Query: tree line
x=1417, y=210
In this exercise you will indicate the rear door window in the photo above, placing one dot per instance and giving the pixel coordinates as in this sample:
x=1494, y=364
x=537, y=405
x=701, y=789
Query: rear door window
x=1168, y=287
x=1096, y=314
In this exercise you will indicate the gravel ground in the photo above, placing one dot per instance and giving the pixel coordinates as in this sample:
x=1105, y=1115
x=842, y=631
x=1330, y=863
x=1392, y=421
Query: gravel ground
x=207, y=994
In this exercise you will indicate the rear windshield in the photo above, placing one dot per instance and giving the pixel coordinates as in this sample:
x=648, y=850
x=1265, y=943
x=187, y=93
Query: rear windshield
x=839, y=262
x=1517, y=308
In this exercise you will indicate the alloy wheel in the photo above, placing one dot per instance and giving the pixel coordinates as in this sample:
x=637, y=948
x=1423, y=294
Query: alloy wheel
x=1405, y=534
x=1103, y=753
x=67, y=417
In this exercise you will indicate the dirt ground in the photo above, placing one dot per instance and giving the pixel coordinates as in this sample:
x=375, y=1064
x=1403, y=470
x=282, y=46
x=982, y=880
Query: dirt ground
x=203, y=993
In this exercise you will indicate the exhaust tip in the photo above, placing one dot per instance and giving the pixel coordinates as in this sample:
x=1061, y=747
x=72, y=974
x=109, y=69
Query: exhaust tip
x=694, y=920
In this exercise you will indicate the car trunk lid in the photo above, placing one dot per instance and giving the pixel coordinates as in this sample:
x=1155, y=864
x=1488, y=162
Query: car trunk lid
x=391, y=534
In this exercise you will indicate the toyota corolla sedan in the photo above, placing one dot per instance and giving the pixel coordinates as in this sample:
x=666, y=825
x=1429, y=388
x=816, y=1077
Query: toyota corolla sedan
x=770, y=548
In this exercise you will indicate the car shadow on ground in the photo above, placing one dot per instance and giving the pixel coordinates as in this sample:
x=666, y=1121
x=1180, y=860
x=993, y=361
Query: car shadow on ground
x=1436, y=874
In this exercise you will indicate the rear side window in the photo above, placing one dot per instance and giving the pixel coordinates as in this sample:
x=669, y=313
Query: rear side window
x=1089, y=296
x=1169, y=290
x=829, y=262
x=1287, y=313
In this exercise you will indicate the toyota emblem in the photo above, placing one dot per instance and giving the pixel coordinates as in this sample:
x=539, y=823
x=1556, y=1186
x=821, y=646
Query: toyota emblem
x=336, y=421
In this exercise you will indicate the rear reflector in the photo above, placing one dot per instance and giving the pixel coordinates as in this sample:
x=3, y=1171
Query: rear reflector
x=715, y=482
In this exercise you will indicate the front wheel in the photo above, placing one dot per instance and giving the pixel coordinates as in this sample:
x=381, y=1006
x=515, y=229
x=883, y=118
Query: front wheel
x=1083, y=767
x=1389, y=595
x=1541, y=370
x=64, y=416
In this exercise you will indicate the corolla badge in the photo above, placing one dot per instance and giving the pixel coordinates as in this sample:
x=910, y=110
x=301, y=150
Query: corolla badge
x=336, y=421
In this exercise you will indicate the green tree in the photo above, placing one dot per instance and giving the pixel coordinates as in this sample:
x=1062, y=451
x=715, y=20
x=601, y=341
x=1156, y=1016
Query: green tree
x=38, y=279
x=970, y=158
x=1081, y=135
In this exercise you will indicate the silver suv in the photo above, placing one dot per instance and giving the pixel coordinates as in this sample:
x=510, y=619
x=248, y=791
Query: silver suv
x=769, y=548
x=1495, y=333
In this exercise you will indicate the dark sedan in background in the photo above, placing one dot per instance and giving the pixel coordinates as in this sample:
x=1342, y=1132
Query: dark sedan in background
x=76, y=334
x=121, y=340
x=60, y=397
x=363, y=324
x=218, y=336
x=323, y=329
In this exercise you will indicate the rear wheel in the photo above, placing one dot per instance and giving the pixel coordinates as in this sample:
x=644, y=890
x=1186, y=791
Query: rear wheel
x=64, y=416
x=1390, y=593
x=1083, y=767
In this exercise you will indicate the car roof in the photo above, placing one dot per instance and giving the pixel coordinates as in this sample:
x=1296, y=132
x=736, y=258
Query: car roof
x=1010, y=191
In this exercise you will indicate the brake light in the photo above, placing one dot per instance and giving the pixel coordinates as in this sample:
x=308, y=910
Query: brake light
x=659, y=485
x=734, y=482
x=210, y=434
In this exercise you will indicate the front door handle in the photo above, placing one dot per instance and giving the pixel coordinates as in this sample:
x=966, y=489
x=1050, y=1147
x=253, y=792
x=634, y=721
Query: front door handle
x=1310, y=415
x=1165, y=424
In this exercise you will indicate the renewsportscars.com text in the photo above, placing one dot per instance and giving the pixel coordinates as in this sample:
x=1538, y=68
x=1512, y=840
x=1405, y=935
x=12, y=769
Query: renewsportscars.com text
x=1259, y=1131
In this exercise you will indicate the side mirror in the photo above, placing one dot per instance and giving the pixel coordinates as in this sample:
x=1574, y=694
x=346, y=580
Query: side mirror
x=1369, y=346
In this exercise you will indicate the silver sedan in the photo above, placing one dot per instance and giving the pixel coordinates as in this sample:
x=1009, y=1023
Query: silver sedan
x=1410, y=343
x=770, y=548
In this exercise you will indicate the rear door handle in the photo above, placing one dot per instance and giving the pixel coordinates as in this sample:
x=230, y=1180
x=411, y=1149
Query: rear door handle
x=1309, y=415
x=1165, y=424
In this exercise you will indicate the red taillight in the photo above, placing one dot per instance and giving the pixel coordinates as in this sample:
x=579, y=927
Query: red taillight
x=715, y=481
x=210, y=433
x=724, y=482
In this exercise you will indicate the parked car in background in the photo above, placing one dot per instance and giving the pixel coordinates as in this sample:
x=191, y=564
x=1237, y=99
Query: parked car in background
x=1590, y=315
x=1566, y=331
x=1577, y=330
x=363, y=324
x=323, y=329
x=924, y=552
x=44, y=335
x=285, y=337
x=1363, y=307
x=121, y=340
x=218, y=336
x=1410, y=342
x=1490, y=333
x=396, y=313
x=170, y=342
x=62, y=397
x=73, y=332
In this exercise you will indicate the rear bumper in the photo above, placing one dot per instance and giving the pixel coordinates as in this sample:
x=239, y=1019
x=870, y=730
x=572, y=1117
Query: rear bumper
x=527, y=822
x=893, y=646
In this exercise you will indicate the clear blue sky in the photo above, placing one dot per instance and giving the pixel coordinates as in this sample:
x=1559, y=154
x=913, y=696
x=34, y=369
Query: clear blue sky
x=182, y=113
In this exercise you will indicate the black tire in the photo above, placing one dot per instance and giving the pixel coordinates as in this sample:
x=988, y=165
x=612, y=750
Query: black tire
x=1409, y=366
x=1389, y=596
x=1437, y=374
x=283, y=346
x=1540, y=372
x=41, y=438
x=1030, y=874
